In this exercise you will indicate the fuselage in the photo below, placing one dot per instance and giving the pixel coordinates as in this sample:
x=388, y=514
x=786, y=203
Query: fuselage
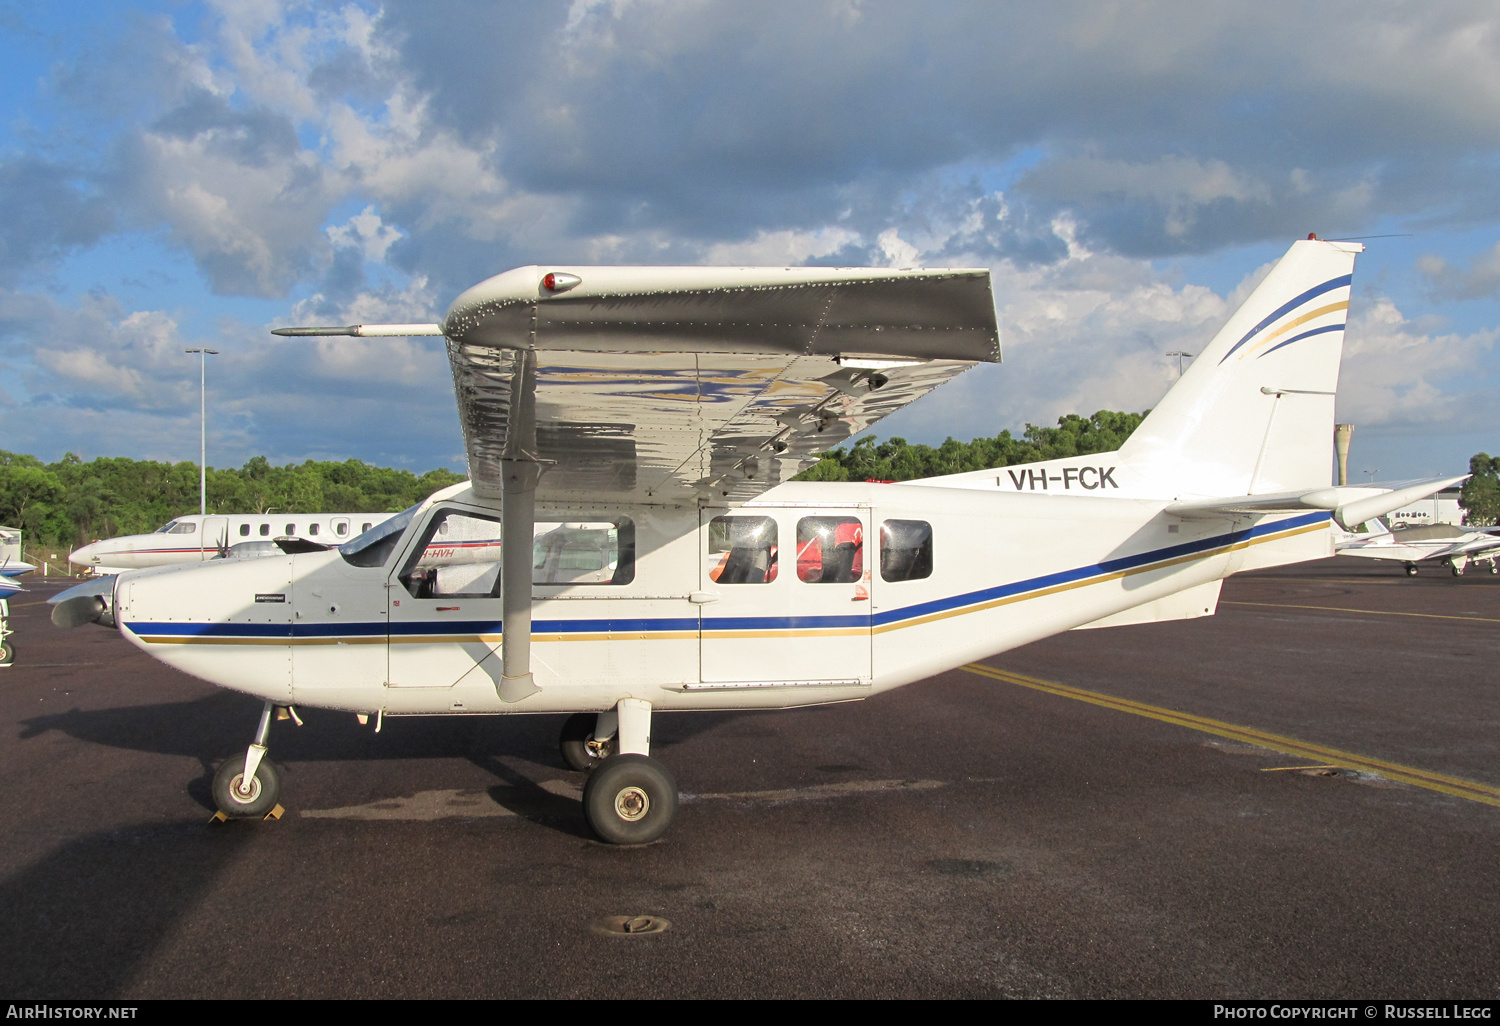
x=195, y=538
x=813, y=593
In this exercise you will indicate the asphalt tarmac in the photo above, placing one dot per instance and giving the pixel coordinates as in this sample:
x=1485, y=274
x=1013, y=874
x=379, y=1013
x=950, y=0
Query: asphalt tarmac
x=1296, y=798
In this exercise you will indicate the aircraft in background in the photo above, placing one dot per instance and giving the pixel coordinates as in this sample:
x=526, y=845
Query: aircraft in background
x=192, y=539
x=1450, y=546
x=640, y=426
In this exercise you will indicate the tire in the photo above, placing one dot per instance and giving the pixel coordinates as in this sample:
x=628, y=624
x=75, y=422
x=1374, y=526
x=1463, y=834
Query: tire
x=263, y=795
x=574, y=743
x=7, y=653
x=1457, y=571
x=630, y=799
x=1411, y=570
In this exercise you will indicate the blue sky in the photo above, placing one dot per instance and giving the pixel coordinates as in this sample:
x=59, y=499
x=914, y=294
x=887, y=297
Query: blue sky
x=185, y=174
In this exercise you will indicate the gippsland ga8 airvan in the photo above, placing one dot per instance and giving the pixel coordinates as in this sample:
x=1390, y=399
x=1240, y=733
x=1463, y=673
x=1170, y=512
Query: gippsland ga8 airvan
x=637, y=429
x=192, y=539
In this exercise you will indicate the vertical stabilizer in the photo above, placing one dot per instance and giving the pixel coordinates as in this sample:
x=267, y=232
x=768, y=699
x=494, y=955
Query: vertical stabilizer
x=1253, y=414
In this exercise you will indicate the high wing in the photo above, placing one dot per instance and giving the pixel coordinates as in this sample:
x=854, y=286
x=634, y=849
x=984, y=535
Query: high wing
x=671, y=384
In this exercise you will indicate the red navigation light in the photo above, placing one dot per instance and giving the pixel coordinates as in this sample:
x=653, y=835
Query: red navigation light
x=559, y=281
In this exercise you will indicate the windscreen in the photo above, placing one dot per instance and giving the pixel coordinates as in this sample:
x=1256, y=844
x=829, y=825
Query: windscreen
x=374, y=546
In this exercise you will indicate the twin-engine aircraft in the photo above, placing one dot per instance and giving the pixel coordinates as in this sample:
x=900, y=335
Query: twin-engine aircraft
x=639, y=427
x=1443, y=544
x=194, y=538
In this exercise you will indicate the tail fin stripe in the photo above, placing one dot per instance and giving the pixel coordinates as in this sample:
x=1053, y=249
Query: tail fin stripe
x=1312, y=293
x=1299, y=338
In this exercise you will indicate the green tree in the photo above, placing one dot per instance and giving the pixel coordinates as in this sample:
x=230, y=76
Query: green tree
x=897, y=460
x=1481, y=493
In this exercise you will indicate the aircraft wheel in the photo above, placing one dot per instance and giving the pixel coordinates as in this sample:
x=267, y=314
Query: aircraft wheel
x=265, y=788
x=574, y=745
x=1458, y=571
x=630, y=799
x=7, y=653
x=1411, y=569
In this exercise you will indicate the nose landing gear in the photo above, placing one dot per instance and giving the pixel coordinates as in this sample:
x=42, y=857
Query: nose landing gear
x=248, y=788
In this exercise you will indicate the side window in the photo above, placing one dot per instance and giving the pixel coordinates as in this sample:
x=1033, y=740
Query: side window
x=182, y=527
x=830, y=550
x=291, y=529
x=312, y=530
x=583, y=552
x=244, y=530
x=742, y=550
x=905, y=550
x=363, y=528
x=265, y=530
x=459, y=556
x=341, y=528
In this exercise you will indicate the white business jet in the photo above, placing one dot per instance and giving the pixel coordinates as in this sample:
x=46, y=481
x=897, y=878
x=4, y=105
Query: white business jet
x=638, y=426
x=1445, y=544
x=192, y=539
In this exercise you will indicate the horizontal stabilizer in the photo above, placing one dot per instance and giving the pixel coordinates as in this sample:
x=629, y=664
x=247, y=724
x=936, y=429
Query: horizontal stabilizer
x=1349, y=506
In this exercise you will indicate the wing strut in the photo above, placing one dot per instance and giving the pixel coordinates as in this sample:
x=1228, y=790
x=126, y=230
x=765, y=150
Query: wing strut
x=520, y=470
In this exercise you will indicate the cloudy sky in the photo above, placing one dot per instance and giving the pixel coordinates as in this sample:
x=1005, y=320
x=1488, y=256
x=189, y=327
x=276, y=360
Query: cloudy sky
x=180, y=174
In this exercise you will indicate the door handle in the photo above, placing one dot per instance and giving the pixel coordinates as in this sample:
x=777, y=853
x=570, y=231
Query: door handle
x=699, y=598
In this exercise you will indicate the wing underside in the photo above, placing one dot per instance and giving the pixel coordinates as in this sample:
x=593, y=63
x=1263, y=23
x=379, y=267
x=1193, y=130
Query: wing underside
x=672, y=385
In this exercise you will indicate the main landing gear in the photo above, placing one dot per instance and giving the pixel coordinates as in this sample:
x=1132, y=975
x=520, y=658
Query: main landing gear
x=248, y=787
x=1411, y=569
x=630, y=798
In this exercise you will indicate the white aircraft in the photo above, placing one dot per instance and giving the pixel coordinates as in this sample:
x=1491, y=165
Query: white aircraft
x=192, y=539
x=1453, y=547
x=640, y=424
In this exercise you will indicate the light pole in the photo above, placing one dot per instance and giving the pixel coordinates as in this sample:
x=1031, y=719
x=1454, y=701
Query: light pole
x=1179, y=354
x=203, y=355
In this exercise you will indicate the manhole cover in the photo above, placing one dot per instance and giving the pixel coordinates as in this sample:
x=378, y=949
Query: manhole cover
x=630, y=926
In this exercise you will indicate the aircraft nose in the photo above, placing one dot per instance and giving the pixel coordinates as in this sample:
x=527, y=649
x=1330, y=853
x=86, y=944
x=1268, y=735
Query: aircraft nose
x=84, y=554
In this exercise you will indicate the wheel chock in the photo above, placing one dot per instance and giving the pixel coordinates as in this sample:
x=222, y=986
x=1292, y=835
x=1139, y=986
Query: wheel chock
x=275, y=813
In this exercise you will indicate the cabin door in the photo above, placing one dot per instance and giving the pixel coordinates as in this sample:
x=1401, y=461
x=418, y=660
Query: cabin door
x=790, y=596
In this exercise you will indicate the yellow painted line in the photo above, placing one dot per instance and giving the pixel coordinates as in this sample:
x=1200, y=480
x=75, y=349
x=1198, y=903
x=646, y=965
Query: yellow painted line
x=1282, y=769
x=1455, y=786
x=1372, y=612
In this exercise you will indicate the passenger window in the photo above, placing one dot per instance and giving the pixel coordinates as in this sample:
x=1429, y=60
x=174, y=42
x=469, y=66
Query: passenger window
x=459, y=556
x=340, y=528
x=244, y=530
x=312, y=530
x=905, y=550
x=742, y=550
x=583, y=552
x=265, y=530
x=363, y=528
x=291, y=529
x=830, y=550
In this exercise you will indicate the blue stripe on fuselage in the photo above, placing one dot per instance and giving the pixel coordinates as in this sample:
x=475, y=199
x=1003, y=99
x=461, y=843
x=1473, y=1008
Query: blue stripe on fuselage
x=729, y=623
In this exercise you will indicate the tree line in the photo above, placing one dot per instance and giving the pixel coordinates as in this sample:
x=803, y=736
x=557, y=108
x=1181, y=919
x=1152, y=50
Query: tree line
x=70, y=502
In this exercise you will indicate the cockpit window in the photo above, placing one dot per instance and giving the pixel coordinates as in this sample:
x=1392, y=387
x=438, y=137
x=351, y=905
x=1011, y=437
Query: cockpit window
x=459, y=556
x=374, y=546
x=180, y=527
